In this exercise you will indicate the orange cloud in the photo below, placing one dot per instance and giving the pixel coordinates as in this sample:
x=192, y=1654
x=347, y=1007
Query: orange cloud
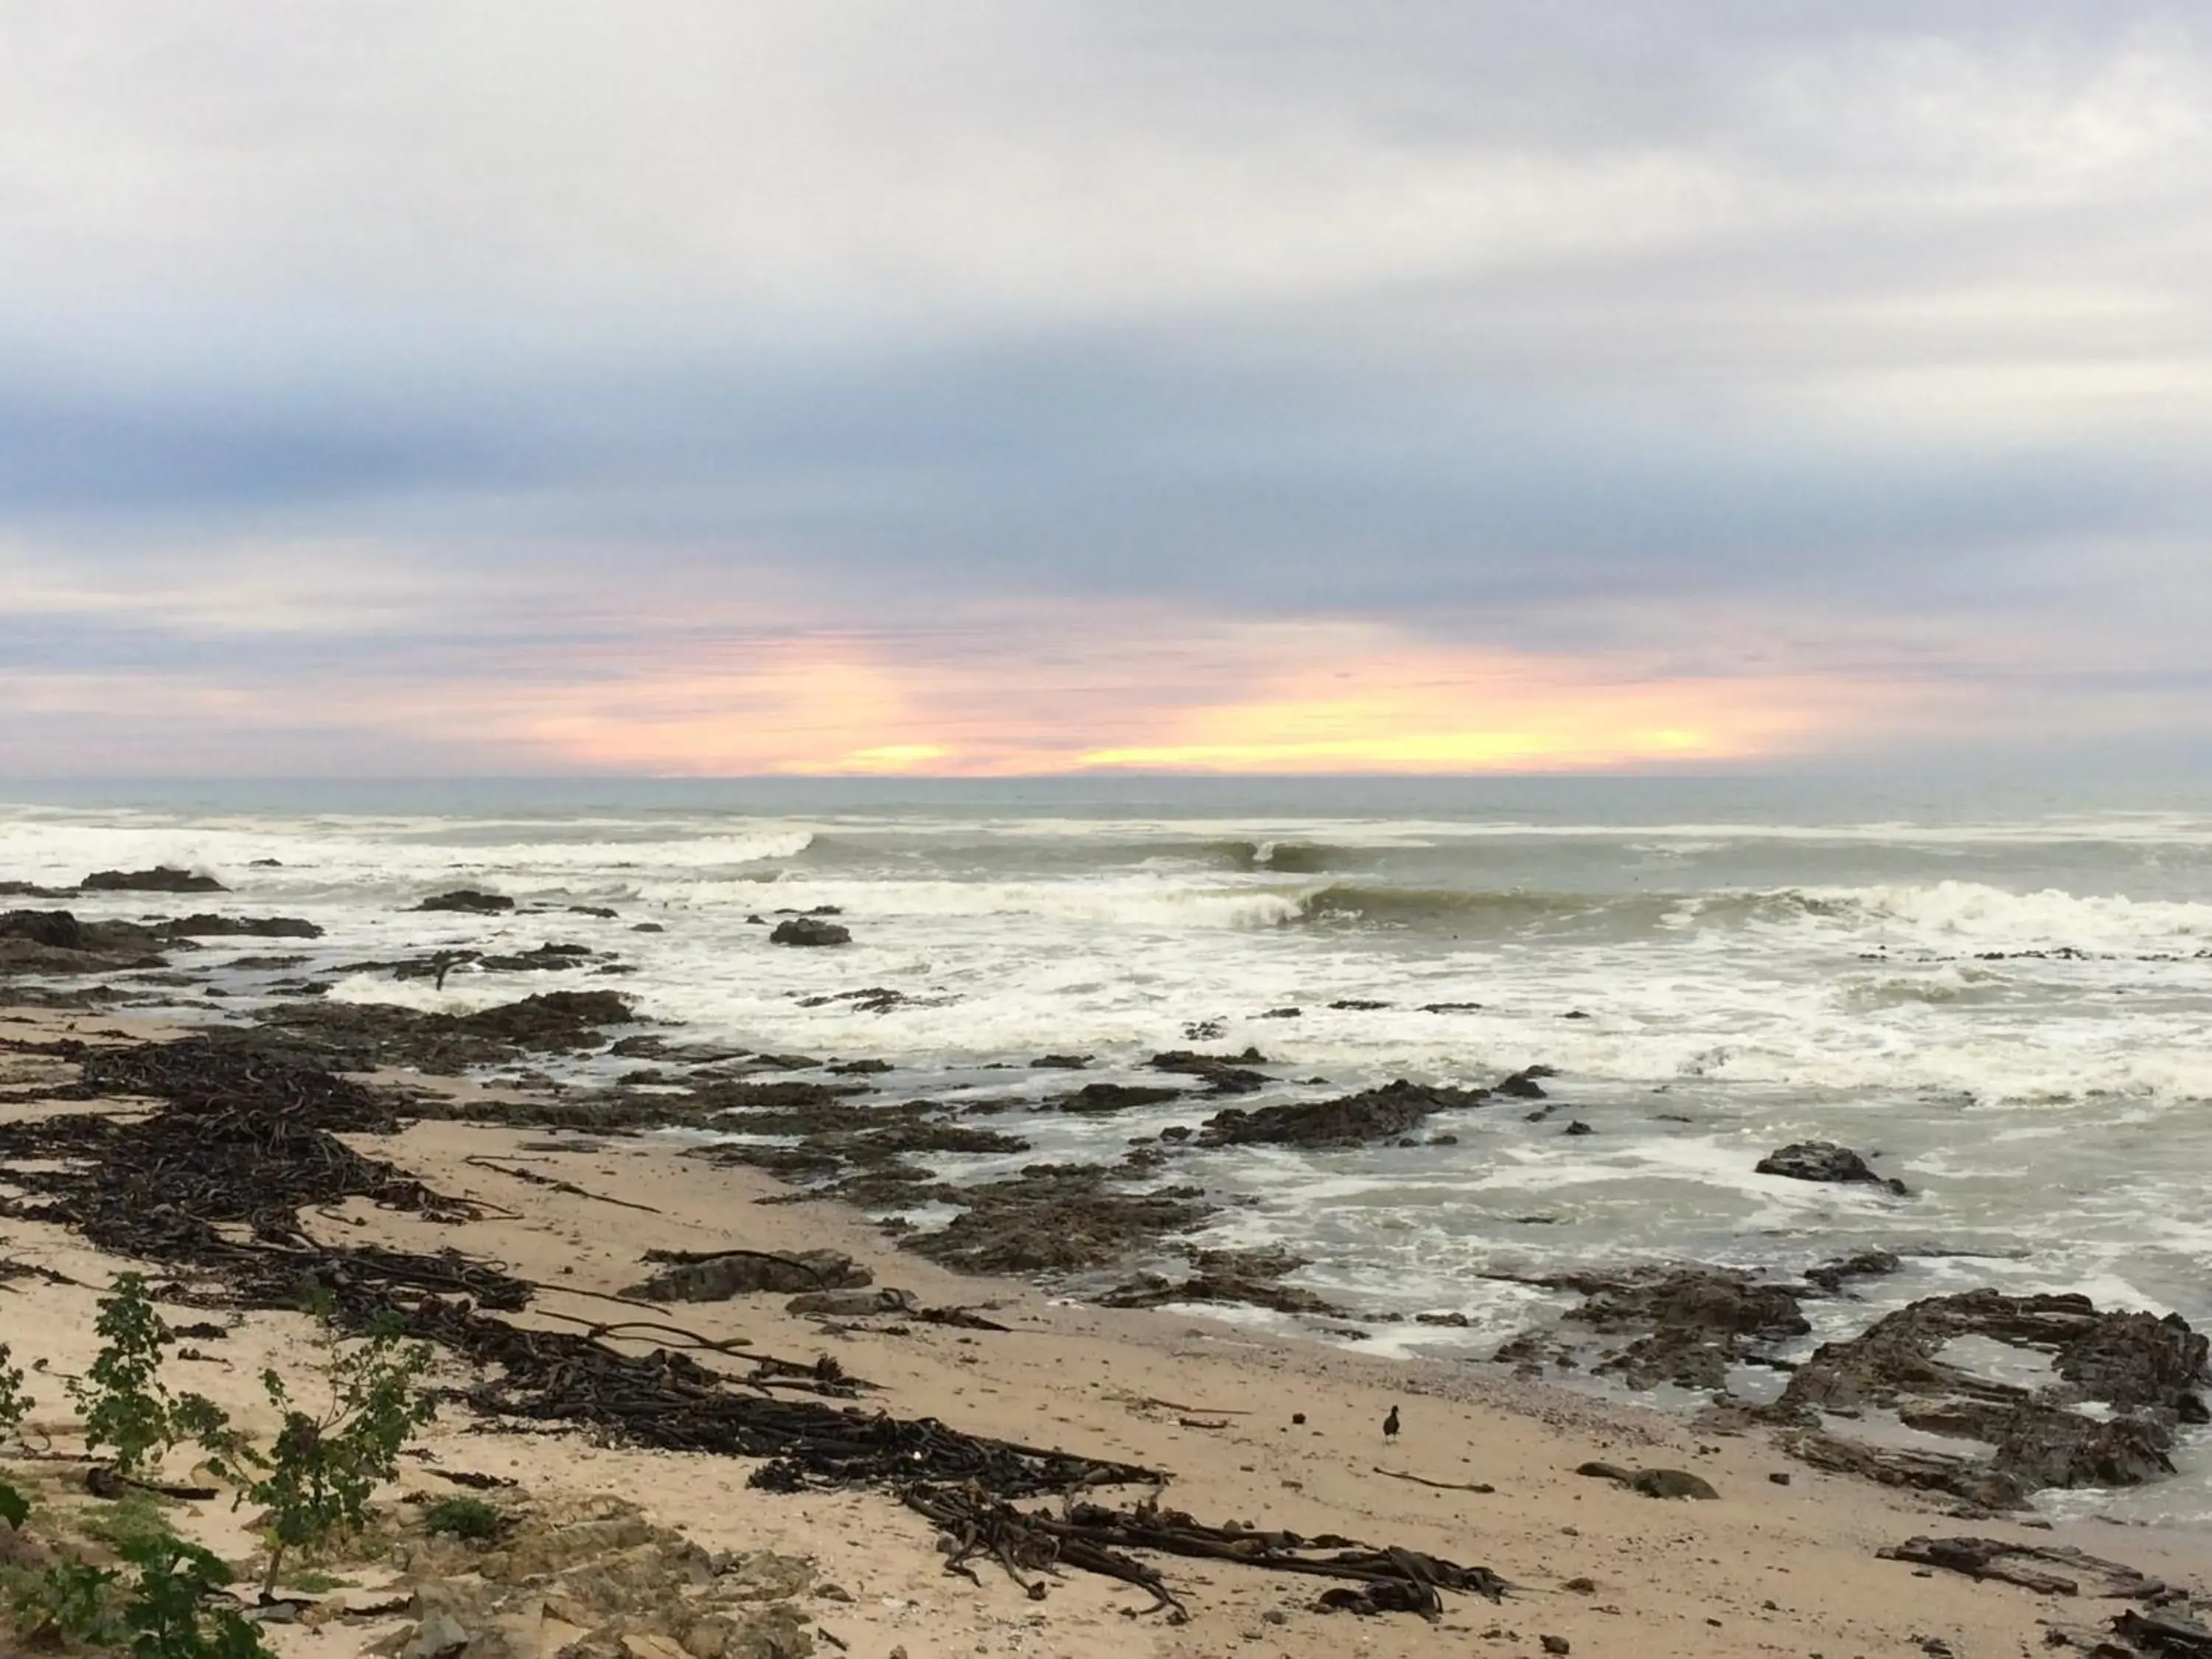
x=1054, y=695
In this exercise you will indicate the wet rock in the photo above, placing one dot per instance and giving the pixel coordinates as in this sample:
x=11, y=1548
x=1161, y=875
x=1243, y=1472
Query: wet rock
x=1349, y=1120
x=32, y=890
x=1652, y=1483
x=1576, y=1126
x=1060, y=1062
x=1281, y=1013
x=1823, y=1160
x=468, y=900
x=161, y=879
x=1699, y=1321
x=1230, y=1074
x=2141, y=1370
x=809, y=931
x=211, y=927
x=1523, y=1085
x=1357, y=1004
x=1451, y=1008
x=57, y=942
x=717, y=1278
x=1055, y=1218
x=1114, y=1097
x=1832, y=1276
x=546, y=958
x=2164, y=1634
x=1157, y=1290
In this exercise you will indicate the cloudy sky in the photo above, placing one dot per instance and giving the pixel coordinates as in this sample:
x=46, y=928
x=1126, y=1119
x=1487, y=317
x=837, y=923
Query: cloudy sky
x=944, y=386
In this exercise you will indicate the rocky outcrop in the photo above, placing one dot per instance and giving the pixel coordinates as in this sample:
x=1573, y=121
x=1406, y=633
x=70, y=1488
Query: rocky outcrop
x=161, y=879
x=211, y=927
x=811, y=931
x=57, y=942
x=1824, y=1160
x=1055, y=1218
x=1347, y=1121
x=469, y=900
x=361, y=1036
x=2120, y=1384
x=1114, y=1097
x=1223, y=1074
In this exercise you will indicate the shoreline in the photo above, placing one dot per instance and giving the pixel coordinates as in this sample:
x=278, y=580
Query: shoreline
x=1781, y=1567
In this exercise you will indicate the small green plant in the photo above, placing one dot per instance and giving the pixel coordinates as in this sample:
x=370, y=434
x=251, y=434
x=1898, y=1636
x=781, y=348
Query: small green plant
x=69, y=1600
x=323, y=1468
x=127, y=1408
x=469, y=1519
x=165, y=1617
x=15, y=1404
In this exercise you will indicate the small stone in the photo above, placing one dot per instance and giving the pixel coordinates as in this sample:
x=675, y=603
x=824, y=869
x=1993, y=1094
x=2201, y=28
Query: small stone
x=1780, y=1476
x=1581, y=1586
x=1556, y=1644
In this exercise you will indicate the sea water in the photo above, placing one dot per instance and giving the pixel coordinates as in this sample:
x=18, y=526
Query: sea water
x=2004, y=998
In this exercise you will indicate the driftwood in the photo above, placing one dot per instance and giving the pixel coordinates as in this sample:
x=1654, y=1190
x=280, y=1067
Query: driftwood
x=553, y=1183
x=1440, y=1485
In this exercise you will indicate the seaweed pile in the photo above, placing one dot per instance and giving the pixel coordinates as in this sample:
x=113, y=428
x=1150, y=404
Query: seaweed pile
x=246, y=1136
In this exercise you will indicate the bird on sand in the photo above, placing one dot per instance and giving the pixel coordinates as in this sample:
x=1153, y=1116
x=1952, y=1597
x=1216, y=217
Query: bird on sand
x=1390, y=1424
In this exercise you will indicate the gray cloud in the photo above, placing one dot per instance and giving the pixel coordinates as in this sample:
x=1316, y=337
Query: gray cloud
x=1881, y=334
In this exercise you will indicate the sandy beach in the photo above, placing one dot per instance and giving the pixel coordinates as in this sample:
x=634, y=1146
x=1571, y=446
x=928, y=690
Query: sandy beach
x=1279, y=1434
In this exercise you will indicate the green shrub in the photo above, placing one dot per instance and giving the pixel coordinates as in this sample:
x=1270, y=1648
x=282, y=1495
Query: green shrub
x=127, y=1408
x=323, y=1468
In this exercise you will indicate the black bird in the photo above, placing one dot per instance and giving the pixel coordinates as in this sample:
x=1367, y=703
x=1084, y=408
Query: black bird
x=1390, y=1424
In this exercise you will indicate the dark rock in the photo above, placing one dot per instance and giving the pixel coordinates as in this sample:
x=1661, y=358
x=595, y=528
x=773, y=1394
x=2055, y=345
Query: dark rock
x=1280, y=1013
x=546, y=958
x=2164, y=1634
x=1357, y=1004
x=1831, y=1276
x=1114, y=1097
x=162, y=880
x=2141, y=1367
x=1372, y=1115
x=854, y=1304
x=1228, y=1074
x=210, y=927
x=1451, y=1008
x=860, y=1067
x=362, y=1036
x=2027, y=1565
x=1577, y=1127
x=809, y=931
x=598, y=910
x=32, y=890
x=1055, y=1218
x=57, y=942
x=1155, y=1290
x=1060, y=1062
x=1652, y=1483
x=1823, y=1160
x=1700, y=1321
x=717, y=1278
x=646, y=927
x=468, y=900
x=869, y=1000
x=1523, y=1085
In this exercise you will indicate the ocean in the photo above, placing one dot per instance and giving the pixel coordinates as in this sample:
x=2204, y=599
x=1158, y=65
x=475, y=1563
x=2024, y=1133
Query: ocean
x=2003, y=997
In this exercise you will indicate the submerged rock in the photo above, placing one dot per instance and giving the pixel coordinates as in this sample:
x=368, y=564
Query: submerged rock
x=1823, y=1160
x=1223, y=1074
x=1700, y=1321
x=1348, y=1120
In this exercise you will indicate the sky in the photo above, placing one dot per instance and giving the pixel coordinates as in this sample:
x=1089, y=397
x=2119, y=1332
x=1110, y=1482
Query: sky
x=710, y=387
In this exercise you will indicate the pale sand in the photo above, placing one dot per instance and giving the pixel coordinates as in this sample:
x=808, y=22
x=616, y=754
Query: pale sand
x=1767, y=1570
